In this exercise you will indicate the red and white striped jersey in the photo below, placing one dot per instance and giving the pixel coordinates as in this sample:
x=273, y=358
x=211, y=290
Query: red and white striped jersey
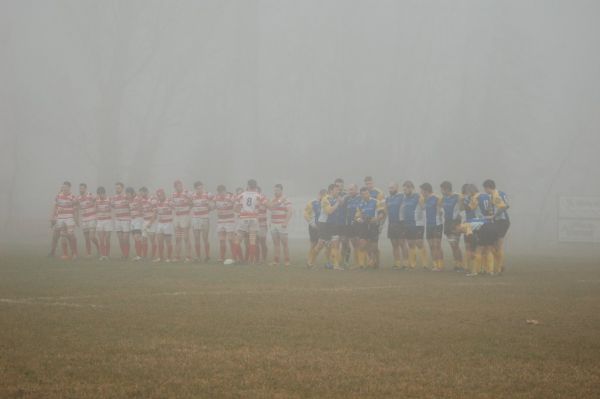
x=120, y=204
x=147, y=207
x=280, y=209
x=224, y=204
x=181, y=203
x=65, y=206
x=250, y=201
x=135, y=207
x=164, y=211
x=87, y=207
x=103, y=208
x=201, y=204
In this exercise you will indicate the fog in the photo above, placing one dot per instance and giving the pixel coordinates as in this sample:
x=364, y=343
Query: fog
x=299, y=93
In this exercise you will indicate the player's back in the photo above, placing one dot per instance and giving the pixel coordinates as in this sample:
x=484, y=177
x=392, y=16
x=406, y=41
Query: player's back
x=249, y=201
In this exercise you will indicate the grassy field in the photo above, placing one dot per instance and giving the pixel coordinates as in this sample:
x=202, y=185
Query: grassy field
x=123, y=330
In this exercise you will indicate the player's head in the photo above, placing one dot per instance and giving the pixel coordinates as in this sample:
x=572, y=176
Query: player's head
x=369, y=183
x=143, y=192
x=82, y=188
x=178, y=185
x=489, y=186
x=160, y=194
x=446, y=187
x=221, y=189
x=322, y=193
x=408, y=187
x=130, y=192
x=426, y=189
x=199, y=187
x=340, y=183
x=66, y=187
x=364, y=193
x=252, y=184
x=101, y=191
x=278, y=190
x=119, y=187
x=352, y=189
x=393, y=188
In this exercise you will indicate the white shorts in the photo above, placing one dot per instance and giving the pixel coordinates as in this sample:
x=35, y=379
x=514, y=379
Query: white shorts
x=262, y=230
x=248, y=225
x=164, y=228
x=68, y=223
x=123, y=226
x=105, y=225
x=181, y=221
x=278, y=229
x=137, y=224
x=227, y=227
x=88, y=224
x=200, y=224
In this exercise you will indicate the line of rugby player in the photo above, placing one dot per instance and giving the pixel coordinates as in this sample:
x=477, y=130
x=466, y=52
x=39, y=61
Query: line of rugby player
x=343, y=221
x=154, y=220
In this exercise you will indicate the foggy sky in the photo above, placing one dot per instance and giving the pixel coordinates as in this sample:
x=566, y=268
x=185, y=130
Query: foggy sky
x=301, y=92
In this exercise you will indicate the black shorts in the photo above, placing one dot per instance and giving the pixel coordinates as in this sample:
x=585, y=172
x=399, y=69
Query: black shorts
x=434, y=232
x=368, y=231
x=502, y=226
x=348, y=231
x=313, y=234
x=324, y=231
x=487, y=235
x=415, y=232
x=396, y=231
x=450, y=229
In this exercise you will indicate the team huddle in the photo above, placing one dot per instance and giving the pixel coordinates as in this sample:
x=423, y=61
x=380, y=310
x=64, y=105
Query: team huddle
x=340, y=222
x=242, y=219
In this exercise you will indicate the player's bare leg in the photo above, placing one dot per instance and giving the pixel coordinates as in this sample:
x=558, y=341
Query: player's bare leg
x=72, y=241
x=139, y=250
x=422, y=252
x=178, y=242
x=456, y=253
x=55, y=239
x=262, y=241
x=396, y=253
x=123, y=237
x=252, y=248
x=276, y=248
x=197, y=243
x=335, y=254
x=222, y=245
x=286, y=249
x=187, y=244
x=314, y=253
x=206, y=245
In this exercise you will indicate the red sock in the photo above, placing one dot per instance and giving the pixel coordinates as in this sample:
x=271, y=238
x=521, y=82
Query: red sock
x=207, y=249
x=138, y=248
x=73, y=242
x=144, y=248
x=170, y=249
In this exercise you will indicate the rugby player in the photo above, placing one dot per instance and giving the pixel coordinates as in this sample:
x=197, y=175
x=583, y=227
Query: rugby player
x=329, y=226
x=224, y=205
x=452, y=206
x=148, y=231
x=163, y=217
x=369, y=214
x=281, y=212
x=247, y=204
x=373, y=191
x=122, y=220
x=87, y=216
x=349, y=232
x=485, y=236
x=137, y=221
x=182, y=204
x=499, y=202
x=63, y=221
x=312, y=210
x=202, y=203
x=396, y=228
x=413, y=212
x=344, y=239
x=434, y=226
x=263, y=229
x=104, y=222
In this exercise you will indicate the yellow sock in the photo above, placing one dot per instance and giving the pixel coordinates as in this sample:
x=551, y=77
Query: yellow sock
x=489, y=262
x=412, y=258
x=440, y=264
x=476, y=264
x=424, y=257
x=311, y=256
x=498, y=260
x=333, y=256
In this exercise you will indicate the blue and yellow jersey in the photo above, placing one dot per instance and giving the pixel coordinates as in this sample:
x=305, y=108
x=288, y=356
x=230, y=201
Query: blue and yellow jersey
x=478, y=205
x=352, y=202
x=377, y=194
x=433, y=210
x=312, y=211
x=500, y=205
x=393, y=203
x=413, y=210
x=452, y=206
x=368, y=210
x=484, y=202
x=469, y=206
x=328, y=214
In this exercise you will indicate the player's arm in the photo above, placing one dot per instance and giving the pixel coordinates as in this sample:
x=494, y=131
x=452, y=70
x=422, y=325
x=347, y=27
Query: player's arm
x=53, y=214
x=499, y=204
x=308, y=213
x=358, y=215
x=381, y=212
x=327, y=207
x=289, y=214
x=76, y=212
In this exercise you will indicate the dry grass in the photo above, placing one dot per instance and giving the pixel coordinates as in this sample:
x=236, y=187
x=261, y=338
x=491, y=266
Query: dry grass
x=116, y=330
